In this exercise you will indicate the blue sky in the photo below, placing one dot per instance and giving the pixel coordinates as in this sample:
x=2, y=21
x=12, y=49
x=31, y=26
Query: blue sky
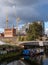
x=26, y=10
x=46, y=25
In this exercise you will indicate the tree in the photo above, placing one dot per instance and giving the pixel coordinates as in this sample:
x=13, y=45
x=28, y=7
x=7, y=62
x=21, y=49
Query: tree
x=34, y=31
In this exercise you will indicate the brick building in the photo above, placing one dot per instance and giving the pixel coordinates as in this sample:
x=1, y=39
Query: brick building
x=9, y=32
x=1, y=34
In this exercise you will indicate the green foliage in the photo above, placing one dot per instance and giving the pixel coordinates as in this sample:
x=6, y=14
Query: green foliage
x=34, y=31
x=4, y=57
x=21, y=38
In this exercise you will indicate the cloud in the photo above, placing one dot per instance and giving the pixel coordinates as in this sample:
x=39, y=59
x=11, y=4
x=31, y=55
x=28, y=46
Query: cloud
x=27, y=10
x=46, y=31
x=1, y=30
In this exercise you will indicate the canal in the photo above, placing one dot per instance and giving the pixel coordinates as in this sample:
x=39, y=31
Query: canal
x=10, y=63
x=15, y=62
x=45, y=62
x=19, y=62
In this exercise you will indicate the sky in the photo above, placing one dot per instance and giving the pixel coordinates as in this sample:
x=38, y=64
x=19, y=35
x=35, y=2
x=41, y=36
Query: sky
x=46, y=27
x=26, y=10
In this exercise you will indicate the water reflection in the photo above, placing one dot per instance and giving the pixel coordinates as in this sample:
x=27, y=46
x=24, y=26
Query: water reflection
x=17, y=62
x=4, y=63
x=45, y=62
x=11, y=63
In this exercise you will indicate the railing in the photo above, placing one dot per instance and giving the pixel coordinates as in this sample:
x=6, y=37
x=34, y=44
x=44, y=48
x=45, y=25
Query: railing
x=40, y=43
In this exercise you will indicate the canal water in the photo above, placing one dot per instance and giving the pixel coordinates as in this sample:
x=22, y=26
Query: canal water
x=19, y=62
x=45, y=62
x=10, y=63
x=16, y=62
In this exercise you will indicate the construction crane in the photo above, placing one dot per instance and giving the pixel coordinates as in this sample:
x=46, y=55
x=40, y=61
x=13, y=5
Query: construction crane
x=17, y=21
x=6, y=21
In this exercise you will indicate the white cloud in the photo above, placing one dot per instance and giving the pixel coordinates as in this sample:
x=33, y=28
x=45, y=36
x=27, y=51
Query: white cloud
x=46, y=30
x=1, y=30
